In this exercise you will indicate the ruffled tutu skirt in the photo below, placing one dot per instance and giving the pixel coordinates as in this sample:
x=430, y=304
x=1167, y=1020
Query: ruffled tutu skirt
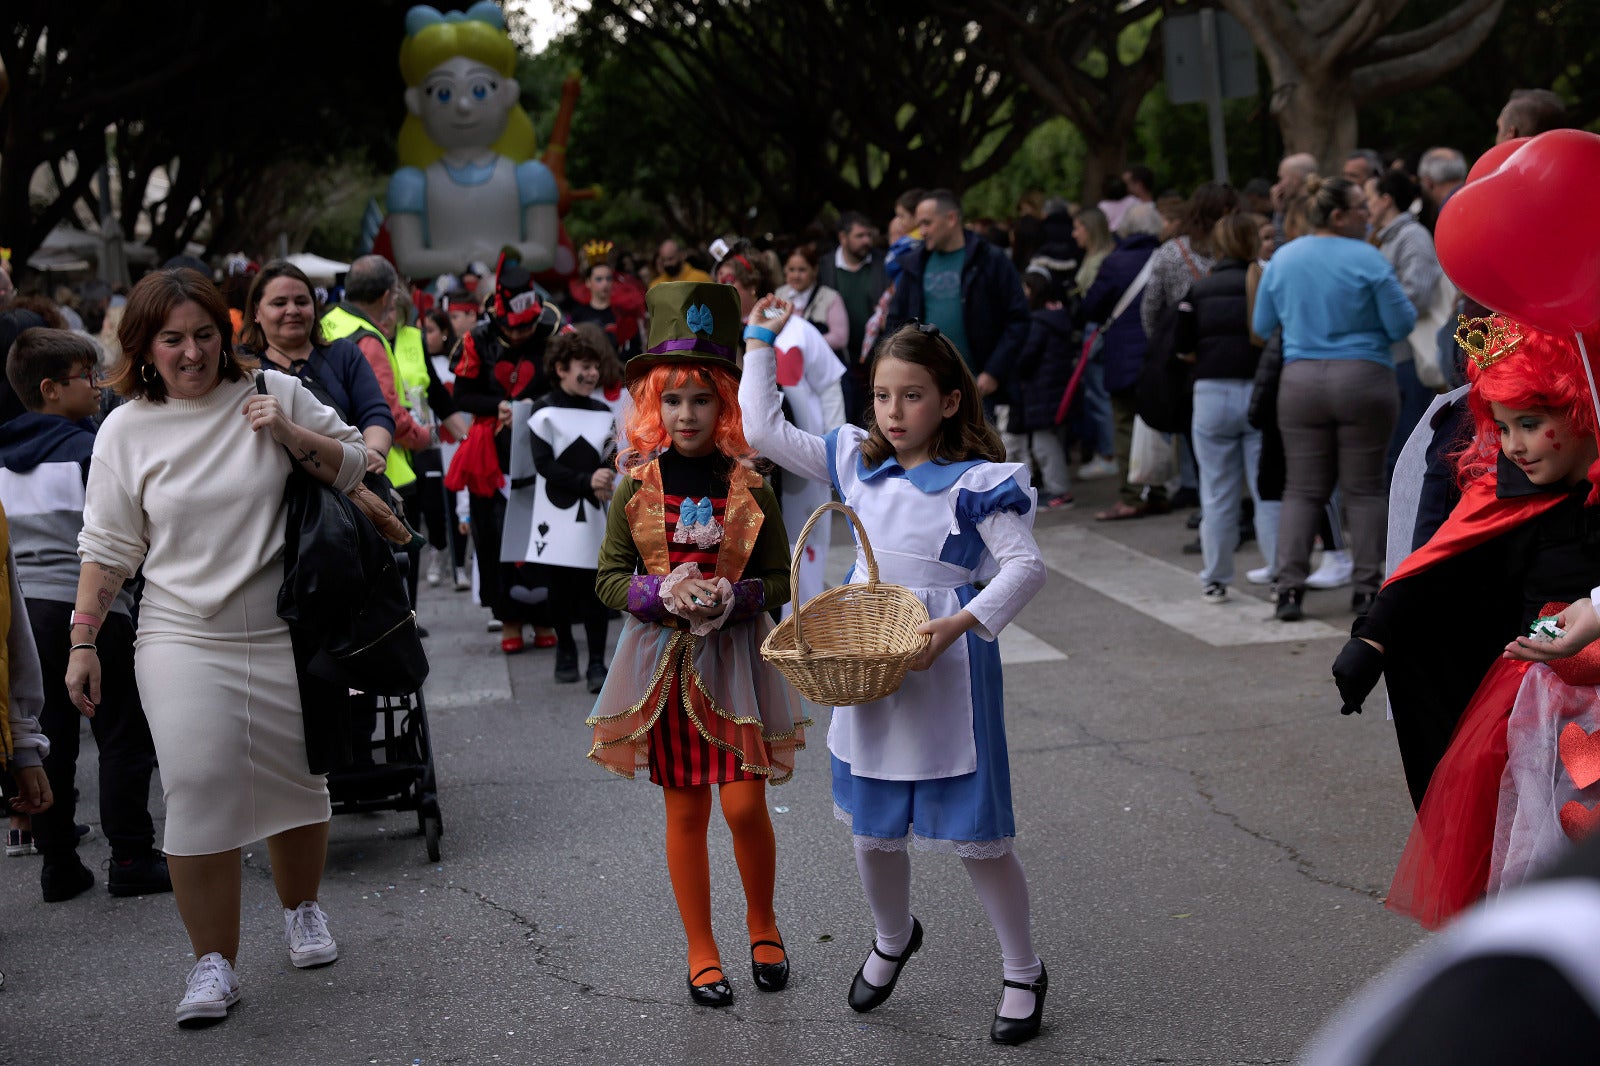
x=1519, y=782
x=720, y=709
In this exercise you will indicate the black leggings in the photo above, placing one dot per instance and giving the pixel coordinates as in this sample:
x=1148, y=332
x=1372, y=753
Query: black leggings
x=573, y=599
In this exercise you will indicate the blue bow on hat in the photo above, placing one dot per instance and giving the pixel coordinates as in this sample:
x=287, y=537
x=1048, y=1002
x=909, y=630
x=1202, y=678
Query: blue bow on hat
x=691, y=513
x=698, y=319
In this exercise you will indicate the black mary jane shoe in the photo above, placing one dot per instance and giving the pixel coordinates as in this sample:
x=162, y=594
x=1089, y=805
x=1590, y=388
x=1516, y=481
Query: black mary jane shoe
x=1021, y=1030
x=718, y=993
x=864, y=995
x=770, y=976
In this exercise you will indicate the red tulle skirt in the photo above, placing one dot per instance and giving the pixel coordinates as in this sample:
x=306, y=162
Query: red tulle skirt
x=476, y=466
x=1445, y=866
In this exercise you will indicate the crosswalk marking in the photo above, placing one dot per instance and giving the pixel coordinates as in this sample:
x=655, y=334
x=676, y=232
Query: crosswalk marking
x=1166, y=593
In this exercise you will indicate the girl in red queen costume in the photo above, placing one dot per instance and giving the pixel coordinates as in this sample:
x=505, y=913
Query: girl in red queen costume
x=696, y=553
x=1497, y=751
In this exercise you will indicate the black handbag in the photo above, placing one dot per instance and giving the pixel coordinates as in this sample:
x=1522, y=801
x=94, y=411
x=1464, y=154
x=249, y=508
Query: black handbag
x=1165, y=390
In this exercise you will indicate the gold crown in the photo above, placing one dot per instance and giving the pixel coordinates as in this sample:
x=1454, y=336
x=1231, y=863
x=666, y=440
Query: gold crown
x=1487, y=340
x=595, y=251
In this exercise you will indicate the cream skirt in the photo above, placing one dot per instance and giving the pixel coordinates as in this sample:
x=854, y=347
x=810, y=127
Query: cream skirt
x=224, y=708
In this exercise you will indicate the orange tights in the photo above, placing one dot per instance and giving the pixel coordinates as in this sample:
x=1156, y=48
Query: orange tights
x=744, y=805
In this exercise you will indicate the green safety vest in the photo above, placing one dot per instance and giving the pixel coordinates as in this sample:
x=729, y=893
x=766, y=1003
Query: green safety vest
x=337, y=323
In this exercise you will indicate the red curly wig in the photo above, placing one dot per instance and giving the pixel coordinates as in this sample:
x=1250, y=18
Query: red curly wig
x=647, y=435
x=1544, y=373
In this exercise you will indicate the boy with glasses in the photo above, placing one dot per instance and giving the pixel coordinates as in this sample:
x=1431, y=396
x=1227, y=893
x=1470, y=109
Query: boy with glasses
x=44, y=465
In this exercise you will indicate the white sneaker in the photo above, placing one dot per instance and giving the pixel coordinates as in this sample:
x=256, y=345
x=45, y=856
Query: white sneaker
x=463, y=580
x=306, y=930
x=1261, y=575
x=212, y=989
x=1334, y=571
x=435, y=573
x=1098, y=467
x=1216, y=592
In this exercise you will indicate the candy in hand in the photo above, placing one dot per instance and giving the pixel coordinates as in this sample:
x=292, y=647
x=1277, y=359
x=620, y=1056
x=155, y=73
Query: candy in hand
x=1545, y=630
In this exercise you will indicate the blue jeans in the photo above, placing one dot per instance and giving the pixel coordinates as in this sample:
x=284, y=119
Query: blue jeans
x=1228, y=451
x=1097, y=407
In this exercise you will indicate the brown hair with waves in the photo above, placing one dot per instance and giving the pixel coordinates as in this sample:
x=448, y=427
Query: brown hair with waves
x=966, y=434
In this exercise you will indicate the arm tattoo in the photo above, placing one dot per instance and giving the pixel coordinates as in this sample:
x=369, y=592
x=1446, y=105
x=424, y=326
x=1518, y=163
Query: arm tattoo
x=309, y=457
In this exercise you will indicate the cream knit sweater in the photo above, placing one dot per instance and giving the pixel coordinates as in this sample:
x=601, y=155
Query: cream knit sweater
x=189, y=491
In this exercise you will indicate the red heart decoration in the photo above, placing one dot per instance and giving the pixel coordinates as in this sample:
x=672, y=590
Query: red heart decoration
x=1580, y=754
x=791, y=366
x=1578, y=821
x=1515, y=241
x=1487, y=163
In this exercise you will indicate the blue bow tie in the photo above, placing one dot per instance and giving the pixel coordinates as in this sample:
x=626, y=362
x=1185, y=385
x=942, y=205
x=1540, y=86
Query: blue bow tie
x=692, y=513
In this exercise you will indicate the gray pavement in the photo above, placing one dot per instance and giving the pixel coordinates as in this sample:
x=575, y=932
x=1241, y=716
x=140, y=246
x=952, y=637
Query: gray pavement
x=1208, y=843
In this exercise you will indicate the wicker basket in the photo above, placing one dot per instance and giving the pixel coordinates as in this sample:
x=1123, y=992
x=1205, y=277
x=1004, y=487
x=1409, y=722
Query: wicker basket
x=862, y=638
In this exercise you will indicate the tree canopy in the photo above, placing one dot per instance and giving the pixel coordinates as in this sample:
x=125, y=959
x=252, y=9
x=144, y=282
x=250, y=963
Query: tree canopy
x=231, y=108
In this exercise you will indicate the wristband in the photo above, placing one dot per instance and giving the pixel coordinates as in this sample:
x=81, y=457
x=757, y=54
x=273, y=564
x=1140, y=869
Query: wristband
x=79, y=618
x=80, y=647
x=758, y=333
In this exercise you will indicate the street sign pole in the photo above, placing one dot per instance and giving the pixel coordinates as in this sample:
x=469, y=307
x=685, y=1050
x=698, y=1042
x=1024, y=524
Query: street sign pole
x=1209, y=58
x=1212, y=70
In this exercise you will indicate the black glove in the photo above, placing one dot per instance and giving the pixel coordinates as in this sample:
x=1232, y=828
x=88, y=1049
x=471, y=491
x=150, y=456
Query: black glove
x=1356, y=672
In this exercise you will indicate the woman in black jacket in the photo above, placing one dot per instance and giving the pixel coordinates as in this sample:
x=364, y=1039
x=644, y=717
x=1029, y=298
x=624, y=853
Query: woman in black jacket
x=1214, y=334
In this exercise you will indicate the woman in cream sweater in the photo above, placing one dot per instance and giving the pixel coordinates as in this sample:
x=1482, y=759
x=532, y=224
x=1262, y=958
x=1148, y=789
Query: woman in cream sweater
x=187, y=482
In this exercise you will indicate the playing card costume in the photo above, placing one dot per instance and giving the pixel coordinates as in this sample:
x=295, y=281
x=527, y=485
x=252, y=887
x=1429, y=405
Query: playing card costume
x=501, y=360
x=690, y=700
x=1500, y=755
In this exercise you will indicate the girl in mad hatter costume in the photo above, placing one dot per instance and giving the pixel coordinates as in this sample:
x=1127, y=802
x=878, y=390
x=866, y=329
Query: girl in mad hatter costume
x=696, y=553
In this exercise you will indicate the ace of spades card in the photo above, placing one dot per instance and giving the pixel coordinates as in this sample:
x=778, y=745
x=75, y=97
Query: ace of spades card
x=547, y=522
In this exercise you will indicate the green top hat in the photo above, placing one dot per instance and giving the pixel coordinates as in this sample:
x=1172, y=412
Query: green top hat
x=691, y=322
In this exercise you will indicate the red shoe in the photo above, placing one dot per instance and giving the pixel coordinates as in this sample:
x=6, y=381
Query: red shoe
x=544, y=641
x=511, y=645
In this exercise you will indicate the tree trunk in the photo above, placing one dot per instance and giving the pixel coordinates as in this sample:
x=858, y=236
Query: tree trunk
x=1105, y=160
x=1318, y=117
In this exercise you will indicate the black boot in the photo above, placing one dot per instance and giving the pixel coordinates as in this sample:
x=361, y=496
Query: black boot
x=63, y=877
x=597, y=675
x=567, y=663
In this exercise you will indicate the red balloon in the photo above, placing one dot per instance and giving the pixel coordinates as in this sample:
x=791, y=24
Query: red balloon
x=1520, y=238
x=1490, y=161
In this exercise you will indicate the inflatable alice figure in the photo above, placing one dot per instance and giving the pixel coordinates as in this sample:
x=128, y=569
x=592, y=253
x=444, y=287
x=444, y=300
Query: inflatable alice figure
x=468, y=185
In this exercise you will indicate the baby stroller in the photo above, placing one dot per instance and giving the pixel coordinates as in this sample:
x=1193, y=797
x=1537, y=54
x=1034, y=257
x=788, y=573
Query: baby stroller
x=392, y=765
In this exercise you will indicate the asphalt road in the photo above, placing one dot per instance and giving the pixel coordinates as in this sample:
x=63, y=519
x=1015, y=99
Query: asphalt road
x=1207, y=840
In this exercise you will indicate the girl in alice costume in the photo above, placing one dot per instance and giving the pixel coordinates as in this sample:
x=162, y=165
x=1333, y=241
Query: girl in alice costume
x=928, y=762
x=695, y=552
x=1502, y=755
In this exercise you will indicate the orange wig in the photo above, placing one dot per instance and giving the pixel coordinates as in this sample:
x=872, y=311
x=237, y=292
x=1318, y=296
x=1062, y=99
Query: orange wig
x=647, y=435
x=1544, y=373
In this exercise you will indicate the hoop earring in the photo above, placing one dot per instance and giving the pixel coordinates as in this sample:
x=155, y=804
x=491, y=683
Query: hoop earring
x=146, y=373
x=223, y=362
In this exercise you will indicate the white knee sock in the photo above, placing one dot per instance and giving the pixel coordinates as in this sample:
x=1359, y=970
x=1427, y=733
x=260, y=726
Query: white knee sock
x=1003, y=890
x=886, y=881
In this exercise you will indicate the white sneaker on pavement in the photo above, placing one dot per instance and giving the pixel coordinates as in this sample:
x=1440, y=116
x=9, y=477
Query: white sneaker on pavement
x=1334, y=571
x=306, y=930
x=1098, y=467
x=435, y=572
x=463, y=580
x=1261, y=575
x=212, y=989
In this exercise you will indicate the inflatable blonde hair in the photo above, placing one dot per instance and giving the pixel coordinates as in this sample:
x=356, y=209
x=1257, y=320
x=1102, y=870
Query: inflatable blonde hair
x=480, y=35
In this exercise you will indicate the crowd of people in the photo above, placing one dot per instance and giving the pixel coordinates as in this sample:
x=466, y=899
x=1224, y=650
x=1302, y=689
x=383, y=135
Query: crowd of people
x=645, y=442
